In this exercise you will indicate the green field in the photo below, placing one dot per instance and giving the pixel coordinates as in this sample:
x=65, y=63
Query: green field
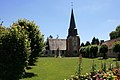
x=60, y=68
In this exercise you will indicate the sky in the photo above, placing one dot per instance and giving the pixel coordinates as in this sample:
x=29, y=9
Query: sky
x=94, y=18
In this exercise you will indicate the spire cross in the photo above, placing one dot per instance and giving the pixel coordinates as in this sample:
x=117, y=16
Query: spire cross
x=71, y=4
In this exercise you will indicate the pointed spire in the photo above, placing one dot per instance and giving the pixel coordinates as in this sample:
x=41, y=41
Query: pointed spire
x=72, y=21
x=72, y=28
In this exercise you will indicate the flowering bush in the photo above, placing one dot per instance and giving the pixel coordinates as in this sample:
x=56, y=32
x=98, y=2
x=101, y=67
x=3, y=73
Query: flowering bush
x=113, y=74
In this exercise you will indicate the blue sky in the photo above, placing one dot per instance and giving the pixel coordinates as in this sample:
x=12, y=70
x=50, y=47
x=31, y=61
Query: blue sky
x=93, y=17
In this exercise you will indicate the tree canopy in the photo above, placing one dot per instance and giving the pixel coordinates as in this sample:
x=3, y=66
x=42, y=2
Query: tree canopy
x=14, y=52
x=95, y=41
x=21, y=43
x=93, y=51
x=34, y=36
x=116, y=49
x=104, y=50
x=116, y=33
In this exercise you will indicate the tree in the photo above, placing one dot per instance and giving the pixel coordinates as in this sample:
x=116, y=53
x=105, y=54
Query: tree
x=51, y=37
x=82, y=44
x=3, y=30
x=47, y=44
x=87, y=43
x=116, y=33
x=101, y=41
x=118, y=28
x=95, y=41
x=116, y=49
x=87, y=51
x=93, y=51
x=35, y=37
x=104, y=50
x=113, y=34
x=14, y=52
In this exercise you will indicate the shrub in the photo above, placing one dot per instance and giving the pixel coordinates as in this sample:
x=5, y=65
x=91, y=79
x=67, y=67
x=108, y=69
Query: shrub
x=35, y=37
x=14, y=52
x=104, y=50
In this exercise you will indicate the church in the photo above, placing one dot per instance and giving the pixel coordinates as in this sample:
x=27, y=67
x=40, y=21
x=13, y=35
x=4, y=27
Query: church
x=64, y=47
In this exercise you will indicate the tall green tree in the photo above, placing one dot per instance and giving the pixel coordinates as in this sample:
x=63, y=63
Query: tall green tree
x=87, y=43
x=116, y=33
x=93, y=51
x=118, y=28
x=116, y=49
x=104, y=50
x=14, y=52
x=95, y=41
x=82, y=44
x=113, y=34
x=36, y=38
x=87, y=51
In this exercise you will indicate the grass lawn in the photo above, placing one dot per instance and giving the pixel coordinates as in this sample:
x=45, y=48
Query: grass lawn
x=60, y=68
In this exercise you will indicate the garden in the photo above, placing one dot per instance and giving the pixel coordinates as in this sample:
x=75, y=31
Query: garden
x=68, y=68
x=108, y=70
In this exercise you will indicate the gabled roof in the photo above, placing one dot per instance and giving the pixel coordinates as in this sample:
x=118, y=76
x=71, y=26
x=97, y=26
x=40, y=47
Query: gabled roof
x=57, y=44
x=110, y=43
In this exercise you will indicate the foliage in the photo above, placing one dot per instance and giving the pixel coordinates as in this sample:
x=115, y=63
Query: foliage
x=101, y=74
x=14, y=52
x=113, y=35
x=95, y=41
x=35, y=37
x=116, y=49
x=117, y=65
x=87, y=51
x=101, y=41
x=82, y=44
x=93, y=66
x=104, y=66
x=116, y=33
x=79, y=71
x=82, y=50
x=3, y=30
x=93, y=51
x=104, y=50
x=47, y=44
x=118, y=28
x=87, y=43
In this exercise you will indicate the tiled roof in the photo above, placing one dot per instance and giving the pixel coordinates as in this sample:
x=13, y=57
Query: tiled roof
x=55, y=44
x=110, y=43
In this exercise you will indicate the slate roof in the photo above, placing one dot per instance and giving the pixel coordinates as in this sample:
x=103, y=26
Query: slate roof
x=72, y=31
x=110, y=43
x=55, y=44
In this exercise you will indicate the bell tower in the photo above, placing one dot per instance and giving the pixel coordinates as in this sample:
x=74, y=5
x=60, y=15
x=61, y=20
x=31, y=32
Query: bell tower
x=73, y=40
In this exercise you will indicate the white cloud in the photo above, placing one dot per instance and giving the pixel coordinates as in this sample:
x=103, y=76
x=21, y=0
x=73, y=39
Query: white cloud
x=113, y=21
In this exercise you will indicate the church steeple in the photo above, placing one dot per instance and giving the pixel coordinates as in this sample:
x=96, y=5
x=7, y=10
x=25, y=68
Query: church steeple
x=73, y=40
x=72, y=31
